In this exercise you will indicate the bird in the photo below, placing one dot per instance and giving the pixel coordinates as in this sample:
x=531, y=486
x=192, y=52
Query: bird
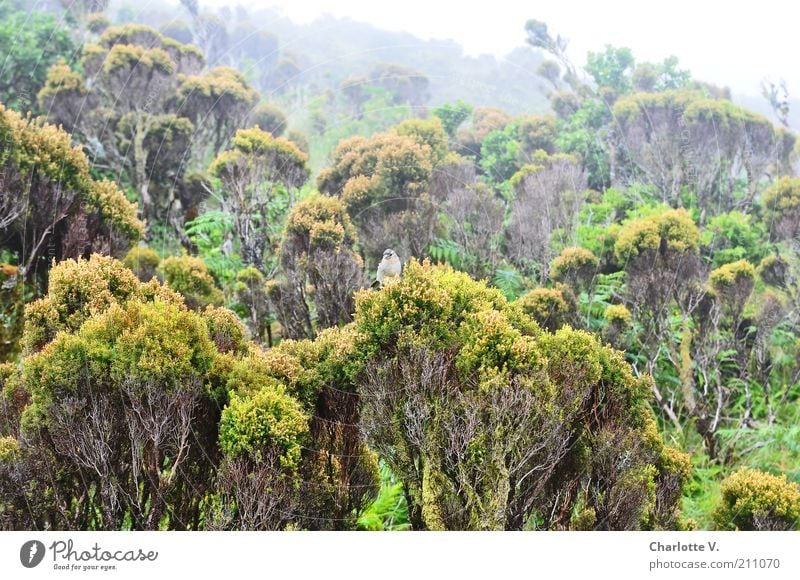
x=390, y=267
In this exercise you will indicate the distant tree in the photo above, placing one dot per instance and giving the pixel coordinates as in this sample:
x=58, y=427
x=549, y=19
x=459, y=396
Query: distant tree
x=782, y=207
x=138, y=138
x=575, y=267
x=538, y=36
x=83, y=11
x=660, y=255
x=251, y=292
x=258, y=178
x=611, y=69
x=299, y=140
x=50, y=206
x=537, y=132
x=548, y=196
x=777, y=95
x=35, y=42
x=384, y=182
x=564, y=103
x=211, y=33
x=501, y=154
x=645, y=77
x=680, y=138
x=97, y=23
x=550, y=71
x=405, y=85
x=584, y=131
x=484, y=121
x=268, y=118
x=354, y=90
x=320, y=270
x=284, y=76
x=664, y=76
x=177, y=30
x=473, y=217
x=452, y=116
x=217, y=103
x=256, y=44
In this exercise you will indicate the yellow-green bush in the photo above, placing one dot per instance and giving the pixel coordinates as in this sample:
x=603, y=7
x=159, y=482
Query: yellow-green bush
x=138, y=343
x=122, y=372
x=782, y=208
x=320, y=222
x=190, y=277
x=733, y=283
x=317, y=251
x=9, y=448
x=142, y=261
x=782, y=196
x=78, y=289
x=12, y=308
x=755, y=500
x=40, y=154
x=574, y=266
x=673, y=230
x=617, y=314
x=268, y=419
x=225, y=329
x=551, y=308
x=728, y=275
x=773, y=269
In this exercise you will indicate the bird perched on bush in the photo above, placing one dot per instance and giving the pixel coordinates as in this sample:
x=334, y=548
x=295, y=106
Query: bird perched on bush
x=390, y=267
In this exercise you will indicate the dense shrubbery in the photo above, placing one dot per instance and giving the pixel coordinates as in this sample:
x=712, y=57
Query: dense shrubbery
x=478, y=384
x=618, y=275
x=461, y=378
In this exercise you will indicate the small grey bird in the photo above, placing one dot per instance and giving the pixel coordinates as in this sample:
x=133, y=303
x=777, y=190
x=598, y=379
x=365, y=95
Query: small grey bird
x=390, y=266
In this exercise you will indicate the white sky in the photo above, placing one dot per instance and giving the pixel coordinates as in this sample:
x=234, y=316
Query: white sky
x=725, y=43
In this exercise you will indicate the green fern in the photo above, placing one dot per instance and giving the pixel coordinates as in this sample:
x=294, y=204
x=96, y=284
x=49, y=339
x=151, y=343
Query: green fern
x=510, y=282
x=389, y=511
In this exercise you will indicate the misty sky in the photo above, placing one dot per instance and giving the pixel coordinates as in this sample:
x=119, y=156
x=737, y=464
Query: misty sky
x=719, y=42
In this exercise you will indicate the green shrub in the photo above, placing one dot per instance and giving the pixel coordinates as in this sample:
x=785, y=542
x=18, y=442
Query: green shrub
x=672, y=230
x=574, y=266
x=731, y=274
x=755, y=500
x=225, y=329
x=268, y=419
x=733, y=283
x=125, y=384
x=551, y=308
x=142, y=261
x=78, y=289
x=190, y=277
x=617, y=314
x=782, y=208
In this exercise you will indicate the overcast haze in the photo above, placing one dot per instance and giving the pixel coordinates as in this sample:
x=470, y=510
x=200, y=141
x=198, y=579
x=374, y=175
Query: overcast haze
x=720, y=43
